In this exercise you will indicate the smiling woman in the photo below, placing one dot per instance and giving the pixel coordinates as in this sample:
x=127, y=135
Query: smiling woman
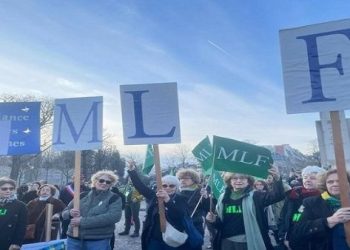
x=99, y=210
x=13, y=216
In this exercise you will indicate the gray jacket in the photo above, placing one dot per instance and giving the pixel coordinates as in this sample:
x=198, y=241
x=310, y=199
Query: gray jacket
x=100, y=210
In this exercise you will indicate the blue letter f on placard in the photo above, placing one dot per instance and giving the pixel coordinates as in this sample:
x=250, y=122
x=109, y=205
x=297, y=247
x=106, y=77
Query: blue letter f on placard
x=76, y=135
x=140, y=132
x=315, y=66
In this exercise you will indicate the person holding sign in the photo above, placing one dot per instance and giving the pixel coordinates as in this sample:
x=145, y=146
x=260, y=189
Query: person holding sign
x=321, y=221
x=196, y=196
x=241, y=220
x=100, y=209
x=13, y=216
x=175, y=206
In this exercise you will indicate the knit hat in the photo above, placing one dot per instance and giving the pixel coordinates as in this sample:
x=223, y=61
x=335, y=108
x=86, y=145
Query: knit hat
x=170, y=179
x=311, y=170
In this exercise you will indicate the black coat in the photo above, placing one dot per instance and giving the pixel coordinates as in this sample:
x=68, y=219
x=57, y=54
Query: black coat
x=13, y=221
x=175, y=209
x=312, y=229
x=261, y=200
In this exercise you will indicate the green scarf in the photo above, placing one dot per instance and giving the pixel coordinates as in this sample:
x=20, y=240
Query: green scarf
x=332, y=201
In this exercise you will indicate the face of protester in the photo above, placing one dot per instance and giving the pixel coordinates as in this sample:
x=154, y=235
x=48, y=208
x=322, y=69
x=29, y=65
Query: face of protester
x=169, y=188
x=259, y=186
x=34, y=186
x=269, y=179
x=310, y=181
x=6, y=190
x=332, y=184
x=186, y=181
x=45, y=191
x=104, y=182
x=239, y=182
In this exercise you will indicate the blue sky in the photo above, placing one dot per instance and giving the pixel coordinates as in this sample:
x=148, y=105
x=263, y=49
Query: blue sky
x=224, y=55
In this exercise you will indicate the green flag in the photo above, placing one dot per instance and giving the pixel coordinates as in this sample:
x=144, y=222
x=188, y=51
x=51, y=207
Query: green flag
x=240, y=157
x=203, y=153
x=149, y=160
x=216, y=184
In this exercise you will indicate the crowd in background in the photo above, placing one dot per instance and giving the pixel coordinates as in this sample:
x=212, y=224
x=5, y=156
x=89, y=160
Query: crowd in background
x=302, y=212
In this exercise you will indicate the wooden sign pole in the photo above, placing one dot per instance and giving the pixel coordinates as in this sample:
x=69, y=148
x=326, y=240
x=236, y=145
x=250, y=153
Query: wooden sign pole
x=77, y=173
x=159, y=186
x=48, y=222
x=341, y=169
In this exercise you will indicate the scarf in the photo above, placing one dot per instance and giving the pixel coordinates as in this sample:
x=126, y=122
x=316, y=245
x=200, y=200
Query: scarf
x=5, y=200
x=254, y=238
x=333, y=202
x=302, y=193
x=190, y=188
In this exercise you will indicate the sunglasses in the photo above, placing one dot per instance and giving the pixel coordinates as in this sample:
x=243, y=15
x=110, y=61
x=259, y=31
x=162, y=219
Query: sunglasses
x=166, y=185
x=104, y=181
x=7, y=188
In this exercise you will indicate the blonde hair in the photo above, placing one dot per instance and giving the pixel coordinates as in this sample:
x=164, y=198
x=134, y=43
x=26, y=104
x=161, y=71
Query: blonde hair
x=96, y=176
x=322, y=179
x=194, y=175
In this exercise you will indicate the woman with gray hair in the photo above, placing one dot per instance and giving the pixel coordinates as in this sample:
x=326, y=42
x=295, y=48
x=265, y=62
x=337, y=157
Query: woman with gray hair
x=100, y=209
x=13, y=216
x=289, y=215
x=175, y=206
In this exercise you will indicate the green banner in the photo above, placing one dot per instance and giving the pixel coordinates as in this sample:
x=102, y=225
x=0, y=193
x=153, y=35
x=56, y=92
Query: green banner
x=240, y=157
x=149, y=160
x=216, y=184
x=203, y=153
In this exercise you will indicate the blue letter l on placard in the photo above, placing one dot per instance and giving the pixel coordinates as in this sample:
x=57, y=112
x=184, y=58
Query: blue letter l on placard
x=140, y=132
x=315, y=66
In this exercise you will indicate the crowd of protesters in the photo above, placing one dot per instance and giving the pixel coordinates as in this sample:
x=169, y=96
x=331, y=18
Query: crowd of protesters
x=302, y=212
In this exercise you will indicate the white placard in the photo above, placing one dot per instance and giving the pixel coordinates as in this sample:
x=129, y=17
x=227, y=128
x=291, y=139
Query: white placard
x=150, y=113
x=78, y=123
x=5, y=130
x=316, y=67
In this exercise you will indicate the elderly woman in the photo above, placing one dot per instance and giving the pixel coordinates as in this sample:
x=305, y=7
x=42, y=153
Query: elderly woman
x=100, y=209
x=175, y=205
x=241, y=220
x=37, y=212
x=194, y=194
x=321, y=221
x=13, y=216
x=294, y=199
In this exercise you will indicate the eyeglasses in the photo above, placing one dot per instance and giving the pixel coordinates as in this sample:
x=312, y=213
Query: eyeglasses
x=166, y=185
x=104, y=181
x=7, y=188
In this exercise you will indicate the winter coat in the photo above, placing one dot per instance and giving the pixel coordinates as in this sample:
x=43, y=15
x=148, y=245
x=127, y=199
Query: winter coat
x=13, y=221
x=37, y=215
x=100, y=210
x=175, y=209
x=312, y=228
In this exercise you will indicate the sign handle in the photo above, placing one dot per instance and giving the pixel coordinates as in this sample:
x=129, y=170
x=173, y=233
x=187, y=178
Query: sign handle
x=48, y=222
x=341, y=170
x=159, y=186
x=76, y=201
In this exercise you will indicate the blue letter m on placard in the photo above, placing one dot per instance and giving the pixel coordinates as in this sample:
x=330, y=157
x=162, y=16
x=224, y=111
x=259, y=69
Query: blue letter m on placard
x=76, y=135
x=140, y=132
x=315, y=66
